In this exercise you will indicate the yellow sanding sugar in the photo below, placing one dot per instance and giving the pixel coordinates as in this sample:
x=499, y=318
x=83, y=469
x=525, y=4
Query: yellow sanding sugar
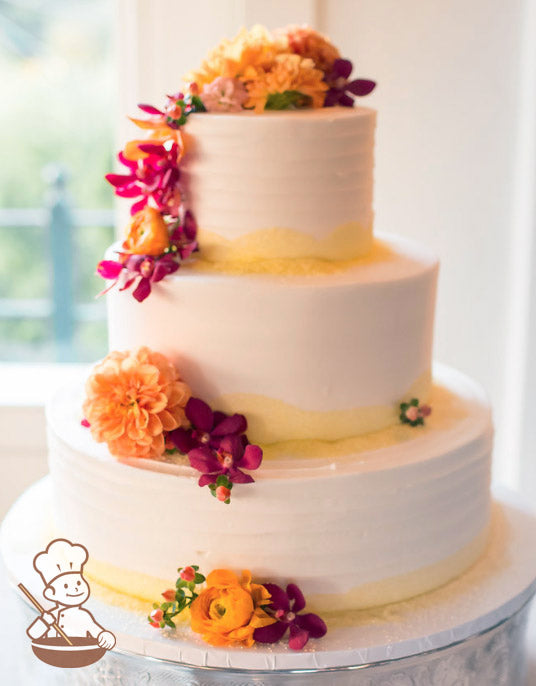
x=447, y=412
x=293, y=267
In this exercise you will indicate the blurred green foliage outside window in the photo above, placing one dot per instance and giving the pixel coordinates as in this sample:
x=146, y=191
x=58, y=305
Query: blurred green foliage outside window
x=56, y=141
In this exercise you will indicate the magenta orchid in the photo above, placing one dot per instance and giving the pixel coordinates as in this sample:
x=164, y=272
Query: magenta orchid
x=207, y=429
x=217, y=447
x=233, y=454
x=341, y=89
x=155, y=177
x=285, y=606
x=141, y=270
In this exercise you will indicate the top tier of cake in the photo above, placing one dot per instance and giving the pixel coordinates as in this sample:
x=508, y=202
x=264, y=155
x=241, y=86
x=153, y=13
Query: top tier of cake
x=294, y=184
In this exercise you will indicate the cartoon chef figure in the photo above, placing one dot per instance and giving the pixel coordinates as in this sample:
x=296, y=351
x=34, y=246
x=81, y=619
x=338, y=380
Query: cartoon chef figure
x=60, y=566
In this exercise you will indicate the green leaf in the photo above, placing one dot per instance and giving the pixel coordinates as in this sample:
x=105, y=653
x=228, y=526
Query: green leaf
x=196, y=567
x=199, y=578
x=198, y=104
x=155, y=606
x=287, y=100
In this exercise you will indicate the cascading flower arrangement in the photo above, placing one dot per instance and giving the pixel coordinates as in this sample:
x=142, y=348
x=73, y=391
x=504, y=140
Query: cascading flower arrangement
x=291, y=68
x=232, y=611
x=137, y=403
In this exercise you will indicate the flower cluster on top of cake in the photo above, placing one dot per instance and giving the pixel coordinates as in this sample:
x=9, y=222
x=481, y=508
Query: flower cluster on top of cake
x=137, y=403
x=290, y=68
x=232, y=611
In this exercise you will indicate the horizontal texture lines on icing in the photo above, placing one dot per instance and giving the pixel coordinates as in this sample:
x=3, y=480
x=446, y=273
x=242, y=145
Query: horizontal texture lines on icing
x=307, y=175
x=395, y=523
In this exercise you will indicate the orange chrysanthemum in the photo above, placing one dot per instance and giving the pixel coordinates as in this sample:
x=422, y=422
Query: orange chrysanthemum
x=229, y=610
x=255, y=48
x=132, y=398
x=289, y=73
x=307, y=42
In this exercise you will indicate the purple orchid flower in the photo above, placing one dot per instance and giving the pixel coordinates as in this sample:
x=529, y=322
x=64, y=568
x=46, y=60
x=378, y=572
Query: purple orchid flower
x=208, y=427
x=285, y=607
x=155, y=176
x=233, y=454
x=183, y=236
x=341, y=90
x=143, y=270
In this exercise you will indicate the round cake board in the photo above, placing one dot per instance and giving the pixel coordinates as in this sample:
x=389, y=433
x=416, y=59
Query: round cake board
x=500, y=584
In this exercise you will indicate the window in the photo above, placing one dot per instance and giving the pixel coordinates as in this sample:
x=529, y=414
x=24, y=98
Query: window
x=55, y=207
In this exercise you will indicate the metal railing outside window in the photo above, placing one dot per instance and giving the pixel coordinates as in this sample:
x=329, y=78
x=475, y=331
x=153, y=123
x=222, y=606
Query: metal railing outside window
x=60, y=310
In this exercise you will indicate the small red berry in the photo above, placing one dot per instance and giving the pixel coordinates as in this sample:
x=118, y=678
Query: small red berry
x=412, y=413
x=156, y=616
x=188, y=574
x=222, y=493
x=155, y=624
x=169, y=595
x=425, y=410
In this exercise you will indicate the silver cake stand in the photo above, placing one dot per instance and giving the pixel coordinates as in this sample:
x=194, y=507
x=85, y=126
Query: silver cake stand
x=470, y=632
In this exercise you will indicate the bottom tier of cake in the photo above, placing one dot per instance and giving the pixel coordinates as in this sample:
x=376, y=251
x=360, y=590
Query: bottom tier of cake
x=356, y=523
x=470, y=631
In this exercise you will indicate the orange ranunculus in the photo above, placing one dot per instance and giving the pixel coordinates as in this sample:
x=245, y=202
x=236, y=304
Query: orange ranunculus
x=229, y=610
x=131, y=399
x=148, y=233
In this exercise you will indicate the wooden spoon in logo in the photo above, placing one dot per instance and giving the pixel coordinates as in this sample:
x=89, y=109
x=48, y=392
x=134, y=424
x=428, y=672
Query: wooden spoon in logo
x=38, y=606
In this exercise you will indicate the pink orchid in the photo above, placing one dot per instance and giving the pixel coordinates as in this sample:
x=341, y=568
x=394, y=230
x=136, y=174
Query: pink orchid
x=154, y=177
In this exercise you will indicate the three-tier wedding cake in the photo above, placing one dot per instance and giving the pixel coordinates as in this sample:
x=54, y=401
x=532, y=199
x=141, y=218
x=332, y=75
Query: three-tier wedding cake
x=276, y=355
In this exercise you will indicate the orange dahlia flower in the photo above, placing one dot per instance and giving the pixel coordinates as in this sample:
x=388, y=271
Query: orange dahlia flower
x=229, y=610
x=147, y=234
x=255, y=48
x=289, y=73
x=305, y=41
x=132, y=398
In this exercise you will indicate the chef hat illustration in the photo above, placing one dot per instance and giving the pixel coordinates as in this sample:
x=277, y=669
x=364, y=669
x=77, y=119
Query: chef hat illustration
x=60, y=557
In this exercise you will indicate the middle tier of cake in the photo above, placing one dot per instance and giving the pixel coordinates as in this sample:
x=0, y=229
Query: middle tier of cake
x=305, y=349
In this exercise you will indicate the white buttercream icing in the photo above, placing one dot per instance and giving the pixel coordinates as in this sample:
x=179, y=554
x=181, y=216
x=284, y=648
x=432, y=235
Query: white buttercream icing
x=390, y=521
x=291, y=351
x=300, y=176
